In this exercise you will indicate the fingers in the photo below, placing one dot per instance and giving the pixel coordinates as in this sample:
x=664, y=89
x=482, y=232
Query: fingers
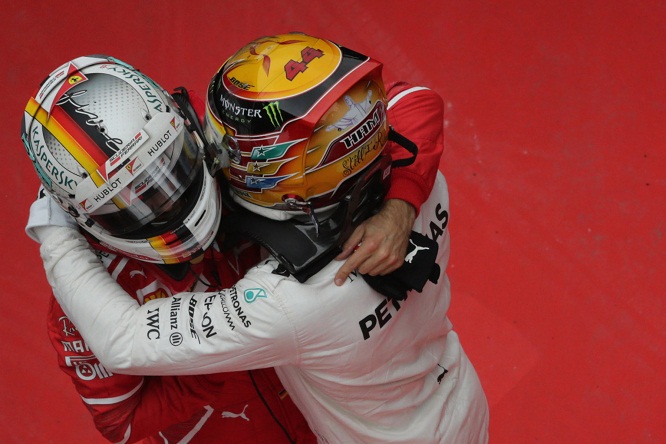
x=352, y=243
x=350, y=265
x=374, y=256
x=381, y=262
x=379, y=256
x=355, y=253
x=378, y=246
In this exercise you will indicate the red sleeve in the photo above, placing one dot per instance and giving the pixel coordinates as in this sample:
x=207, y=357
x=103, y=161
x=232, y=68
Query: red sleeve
x=123, y=406
x=418, y=114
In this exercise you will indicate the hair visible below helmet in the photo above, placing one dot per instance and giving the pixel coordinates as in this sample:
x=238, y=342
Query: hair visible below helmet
x=298, y=119
x=114, y=150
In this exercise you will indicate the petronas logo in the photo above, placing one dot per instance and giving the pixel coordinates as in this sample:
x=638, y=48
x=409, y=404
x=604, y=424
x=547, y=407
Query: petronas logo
x=274, y=113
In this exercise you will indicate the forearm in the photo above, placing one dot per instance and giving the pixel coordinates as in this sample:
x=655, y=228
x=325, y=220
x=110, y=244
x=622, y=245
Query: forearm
x=190, y=333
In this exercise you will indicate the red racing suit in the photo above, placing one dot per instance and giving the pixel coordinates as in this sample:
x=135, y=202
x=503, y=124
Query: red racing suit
x=233, y=407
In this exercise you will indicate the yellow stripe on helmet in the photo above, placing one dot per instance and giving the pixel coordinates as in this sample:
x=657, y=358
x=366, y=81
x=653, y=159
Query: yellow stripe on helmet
x=66, y=140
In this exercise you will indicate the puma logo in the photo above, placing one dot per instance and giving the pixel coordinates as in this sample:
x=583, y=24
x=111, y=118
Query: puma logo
x=441, y=376
x=412, y=254
x=236, y=415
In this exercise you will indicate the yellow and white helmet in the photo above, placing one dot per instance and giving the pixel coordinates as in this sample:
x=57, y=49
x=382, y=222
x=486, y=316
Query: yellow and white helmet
x=116, y=152
x=298, y=118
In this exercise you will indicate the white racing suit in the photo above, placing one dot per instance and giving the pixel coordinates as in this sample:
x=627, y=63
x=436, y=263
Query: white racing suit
x=360, y=367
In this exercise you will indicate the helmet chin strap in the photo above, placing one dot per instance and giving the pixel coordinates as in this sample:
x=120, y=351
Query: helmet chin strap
x=304, y=247
x=306, y=207
x=212, y=154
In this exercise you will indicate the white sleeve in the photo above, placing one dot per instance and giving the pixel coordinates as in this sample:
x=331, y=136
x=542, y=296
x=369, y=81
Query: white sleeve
x=45, y=212
x=239, y=328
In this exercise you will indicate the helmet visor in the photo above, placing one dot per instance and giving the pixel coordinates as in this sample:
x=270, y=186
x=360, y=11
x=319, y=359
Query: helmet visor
x=158, y=196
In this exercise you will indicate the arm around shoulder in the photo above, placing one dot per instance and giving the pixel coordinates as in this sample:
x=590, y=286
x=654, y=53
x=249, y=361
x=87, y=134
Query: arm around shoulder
x=418, y=114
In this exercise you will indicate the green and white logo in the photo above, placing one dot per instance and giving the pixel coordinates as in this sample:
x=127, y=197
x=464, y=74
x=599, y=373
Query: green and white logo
x=252, y=294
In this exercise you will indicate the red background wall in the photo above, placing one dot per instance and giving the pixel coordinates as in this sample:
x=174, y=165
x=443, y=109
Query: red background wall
x=555, y=133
